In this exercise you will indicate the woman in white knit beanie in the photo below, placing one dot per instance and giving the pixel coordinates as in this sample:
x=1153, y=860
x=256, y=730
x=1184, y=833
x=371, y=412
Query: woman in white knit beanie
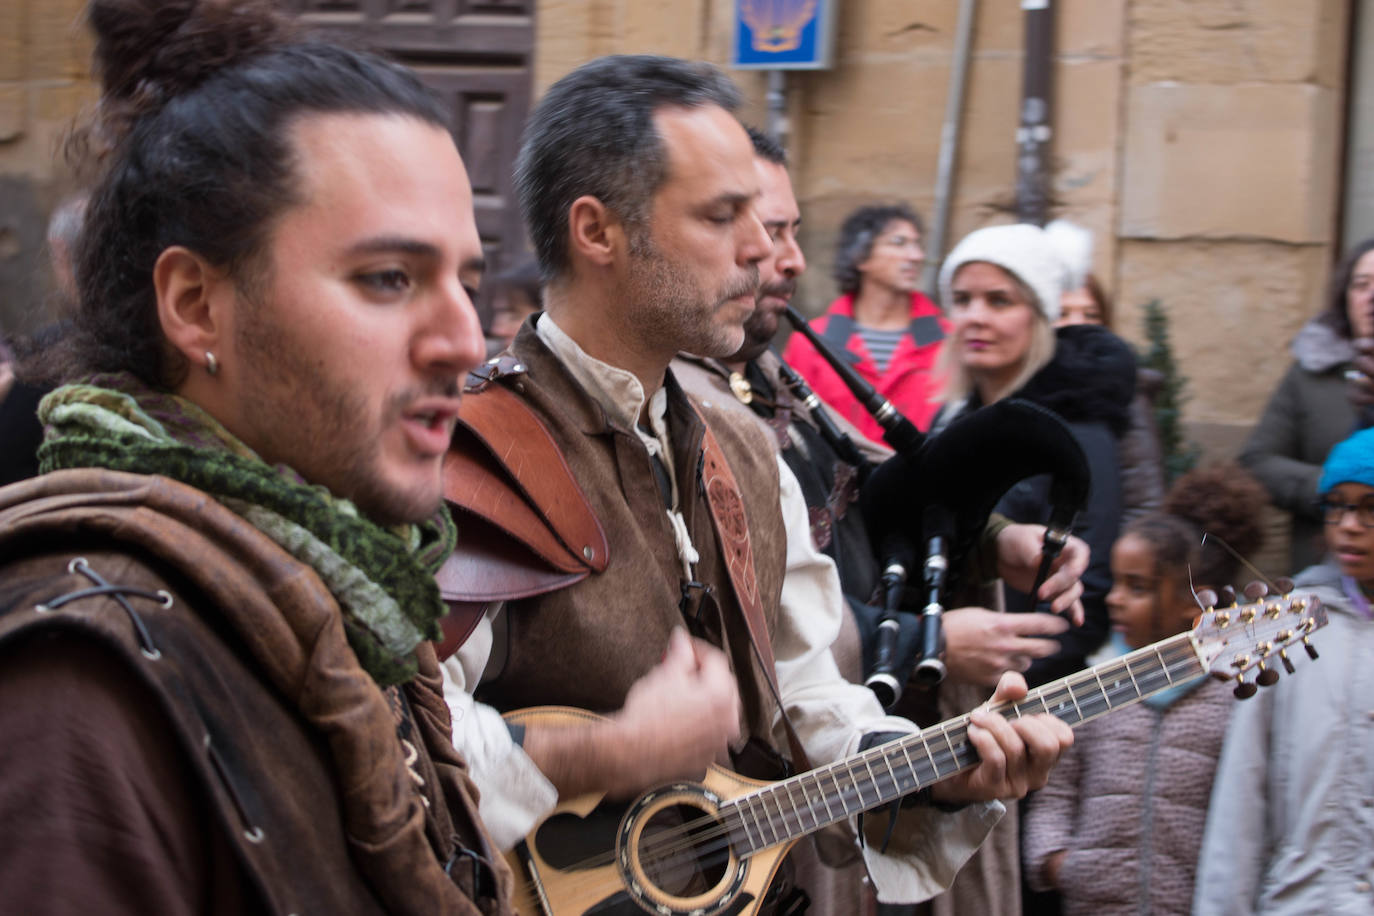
x=1001, y=286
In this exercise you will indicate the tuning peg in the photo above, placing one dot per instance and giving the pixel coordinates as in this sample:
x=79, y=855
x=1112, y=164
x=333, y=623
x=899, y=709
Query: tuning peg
x=1207, y=598
x=1227, y=597
x=1287, y=662
x=1283, y=584
x=1267, y=677
x=1244, y=690
x=1256, y=590
x=1311, y=649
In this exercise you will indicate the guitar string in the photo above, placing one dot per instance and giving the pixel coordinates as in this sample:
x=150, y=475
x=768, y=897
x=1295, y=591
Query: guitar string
x=671, y=842
x=1181, y=659
x=954, y=729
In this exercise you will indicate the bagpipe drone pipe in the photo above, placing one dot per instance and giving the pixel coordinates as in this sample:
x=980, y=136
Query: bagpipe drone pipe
x=931, y=501
x=938, y=500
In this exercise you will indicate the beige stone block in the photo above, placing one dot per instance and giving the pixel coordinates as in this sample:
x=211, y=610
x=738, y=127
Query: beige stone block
x=667, y=27
x=1231, y=41
x=1233, y=307
x=1087, y=129
x=59, y=43
x=877, y=29
x=1085, y=152
x=1000, y=28
x=1090, y=28
x=571, y=32
x=717, y=31
x=13, y=50
x=1218, y=441
x=889, y=139
x=1224, y=161
x=35, y=121
x=987, y=148
x=63, y=102
x=1333, y=44
x=14, y=113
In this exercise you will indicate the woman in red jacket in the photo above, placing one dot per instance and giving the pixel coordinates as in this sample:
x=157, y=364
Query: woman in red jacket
x=888, y=330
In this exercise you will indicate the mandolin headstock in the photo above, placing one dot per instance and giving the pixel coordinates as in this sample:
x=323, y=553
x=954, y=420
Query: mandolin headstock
x=1235, y=639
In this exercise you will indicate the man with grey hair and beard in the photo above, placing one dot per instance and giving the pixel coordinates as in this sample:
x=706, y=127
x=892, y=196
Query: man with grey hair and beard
x=670, y=614
x=979, y=644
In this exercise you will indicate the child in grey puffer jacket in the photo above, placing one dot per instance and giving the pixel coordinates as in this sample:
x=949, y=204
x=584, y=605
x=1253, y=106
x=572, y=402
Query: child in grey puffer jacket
x=1118, y=828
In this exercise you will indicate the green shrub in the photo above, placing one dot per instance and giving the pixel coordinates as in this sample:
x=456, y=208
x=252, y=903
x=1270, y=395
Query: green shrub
x=1179, y=454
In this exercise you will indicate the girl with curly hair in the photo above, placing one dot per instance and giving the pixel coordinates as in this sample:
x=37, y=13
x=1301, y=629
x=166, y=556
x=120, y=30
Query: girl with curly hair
x=1119, y=826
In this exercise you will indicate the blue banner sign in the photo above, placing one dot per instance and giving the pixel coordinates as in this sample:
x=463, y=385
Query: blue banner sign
x=784, y=34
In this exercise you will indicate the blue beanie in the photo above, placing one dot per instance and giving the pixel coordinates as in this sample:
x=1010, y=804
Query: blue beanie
x=1350, y=461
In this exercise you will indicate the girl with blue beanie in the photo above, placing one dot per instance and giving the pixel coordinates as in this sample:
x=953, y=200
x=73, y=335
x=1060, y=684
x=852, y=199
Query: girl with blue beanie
x=1291, y=825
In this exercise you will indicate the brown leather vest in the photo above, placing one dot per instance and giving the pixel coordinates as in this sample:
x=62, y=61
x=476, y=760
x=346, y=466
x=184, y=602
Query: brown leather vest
x=585, y=644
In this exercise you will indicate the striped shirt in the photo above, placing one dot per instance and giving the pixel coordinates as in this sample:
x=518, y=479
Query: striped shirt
x=880, y=344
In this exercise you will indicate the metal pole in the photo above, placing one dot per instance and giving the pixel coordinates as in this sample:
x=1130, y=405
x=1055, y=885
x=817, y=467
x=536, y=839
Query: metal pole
x=777, y=107
x=1033, y=134
x=949, y=145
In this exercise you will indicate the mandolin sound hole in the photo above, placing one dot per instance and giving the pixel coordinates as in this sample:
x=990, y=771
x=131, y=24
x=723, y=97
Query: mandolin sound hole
x=683, y=851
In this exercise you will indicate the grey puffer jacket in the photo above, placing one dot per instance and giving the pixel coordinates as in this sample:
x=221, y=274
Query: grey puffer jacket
x=1307, y=414
x=1127, y=803
x=1291, y=827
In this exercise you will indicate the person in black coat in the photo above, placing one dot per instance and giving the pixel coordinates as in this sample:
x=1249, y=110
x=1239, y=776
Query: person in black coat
x=1002, y=287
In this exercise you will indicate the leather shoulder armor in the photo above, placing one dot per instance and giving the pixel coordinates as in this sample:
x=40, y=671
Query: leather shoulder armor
x=525, y=525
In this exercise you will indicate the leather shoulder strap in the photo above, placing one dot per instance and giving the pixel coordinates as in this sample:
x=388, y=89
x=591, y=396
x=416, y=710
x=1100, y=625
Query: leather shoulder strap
x=727, y=514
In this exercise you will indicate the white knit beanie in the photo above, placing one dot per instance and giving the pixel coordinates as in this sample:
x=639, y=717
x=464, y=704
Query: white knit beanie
x=1042, y=259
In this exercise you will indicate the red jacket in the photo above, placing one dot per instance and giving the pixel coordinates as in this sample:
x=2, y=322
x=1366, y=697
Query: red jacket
x=909, y=382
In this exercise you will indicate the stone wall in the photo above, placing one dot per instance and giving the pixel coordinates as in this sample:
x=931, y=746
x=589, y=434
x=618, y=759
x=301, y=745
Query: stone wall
x=44, y=83
x=1231, y=167
x=1231, y=170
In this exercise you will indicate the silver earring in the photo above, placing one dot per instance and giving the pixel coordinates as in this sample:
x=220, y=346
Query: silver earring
x=211, y=364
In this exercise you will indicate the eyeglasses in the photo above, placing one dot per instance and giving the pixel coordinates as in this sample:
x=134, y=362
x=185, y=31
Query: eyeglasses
x=1334, y=510
x=901, y=241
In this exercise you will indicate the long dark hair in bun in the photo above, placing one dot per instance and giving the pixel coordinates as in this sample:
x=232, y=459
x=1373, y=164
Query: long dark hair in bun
x=198, y=100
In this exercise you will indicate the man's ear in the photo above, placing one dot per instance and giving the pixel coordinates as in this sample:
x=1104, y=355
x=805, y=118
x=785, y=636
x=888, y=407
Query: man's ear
x=186, y=307
x=594, y=232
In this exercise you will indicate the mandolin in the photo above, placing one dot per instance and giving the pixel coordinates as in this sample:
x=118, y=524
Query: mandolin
x=713, y=847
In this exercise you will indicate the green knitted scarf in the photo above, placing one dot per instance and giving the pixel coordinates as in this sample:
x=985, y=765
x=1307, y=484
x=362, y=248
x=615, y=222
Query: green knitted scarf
x=383, y=579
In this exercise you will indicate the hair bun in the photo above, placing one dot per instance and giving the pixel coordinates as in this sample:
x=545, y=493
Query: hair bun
x=1223, y=500
x=148, y=51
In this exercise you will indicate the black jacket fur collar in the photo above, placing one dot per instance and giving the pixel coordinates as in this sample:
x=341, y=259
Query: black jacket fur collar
x=1091, y=378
